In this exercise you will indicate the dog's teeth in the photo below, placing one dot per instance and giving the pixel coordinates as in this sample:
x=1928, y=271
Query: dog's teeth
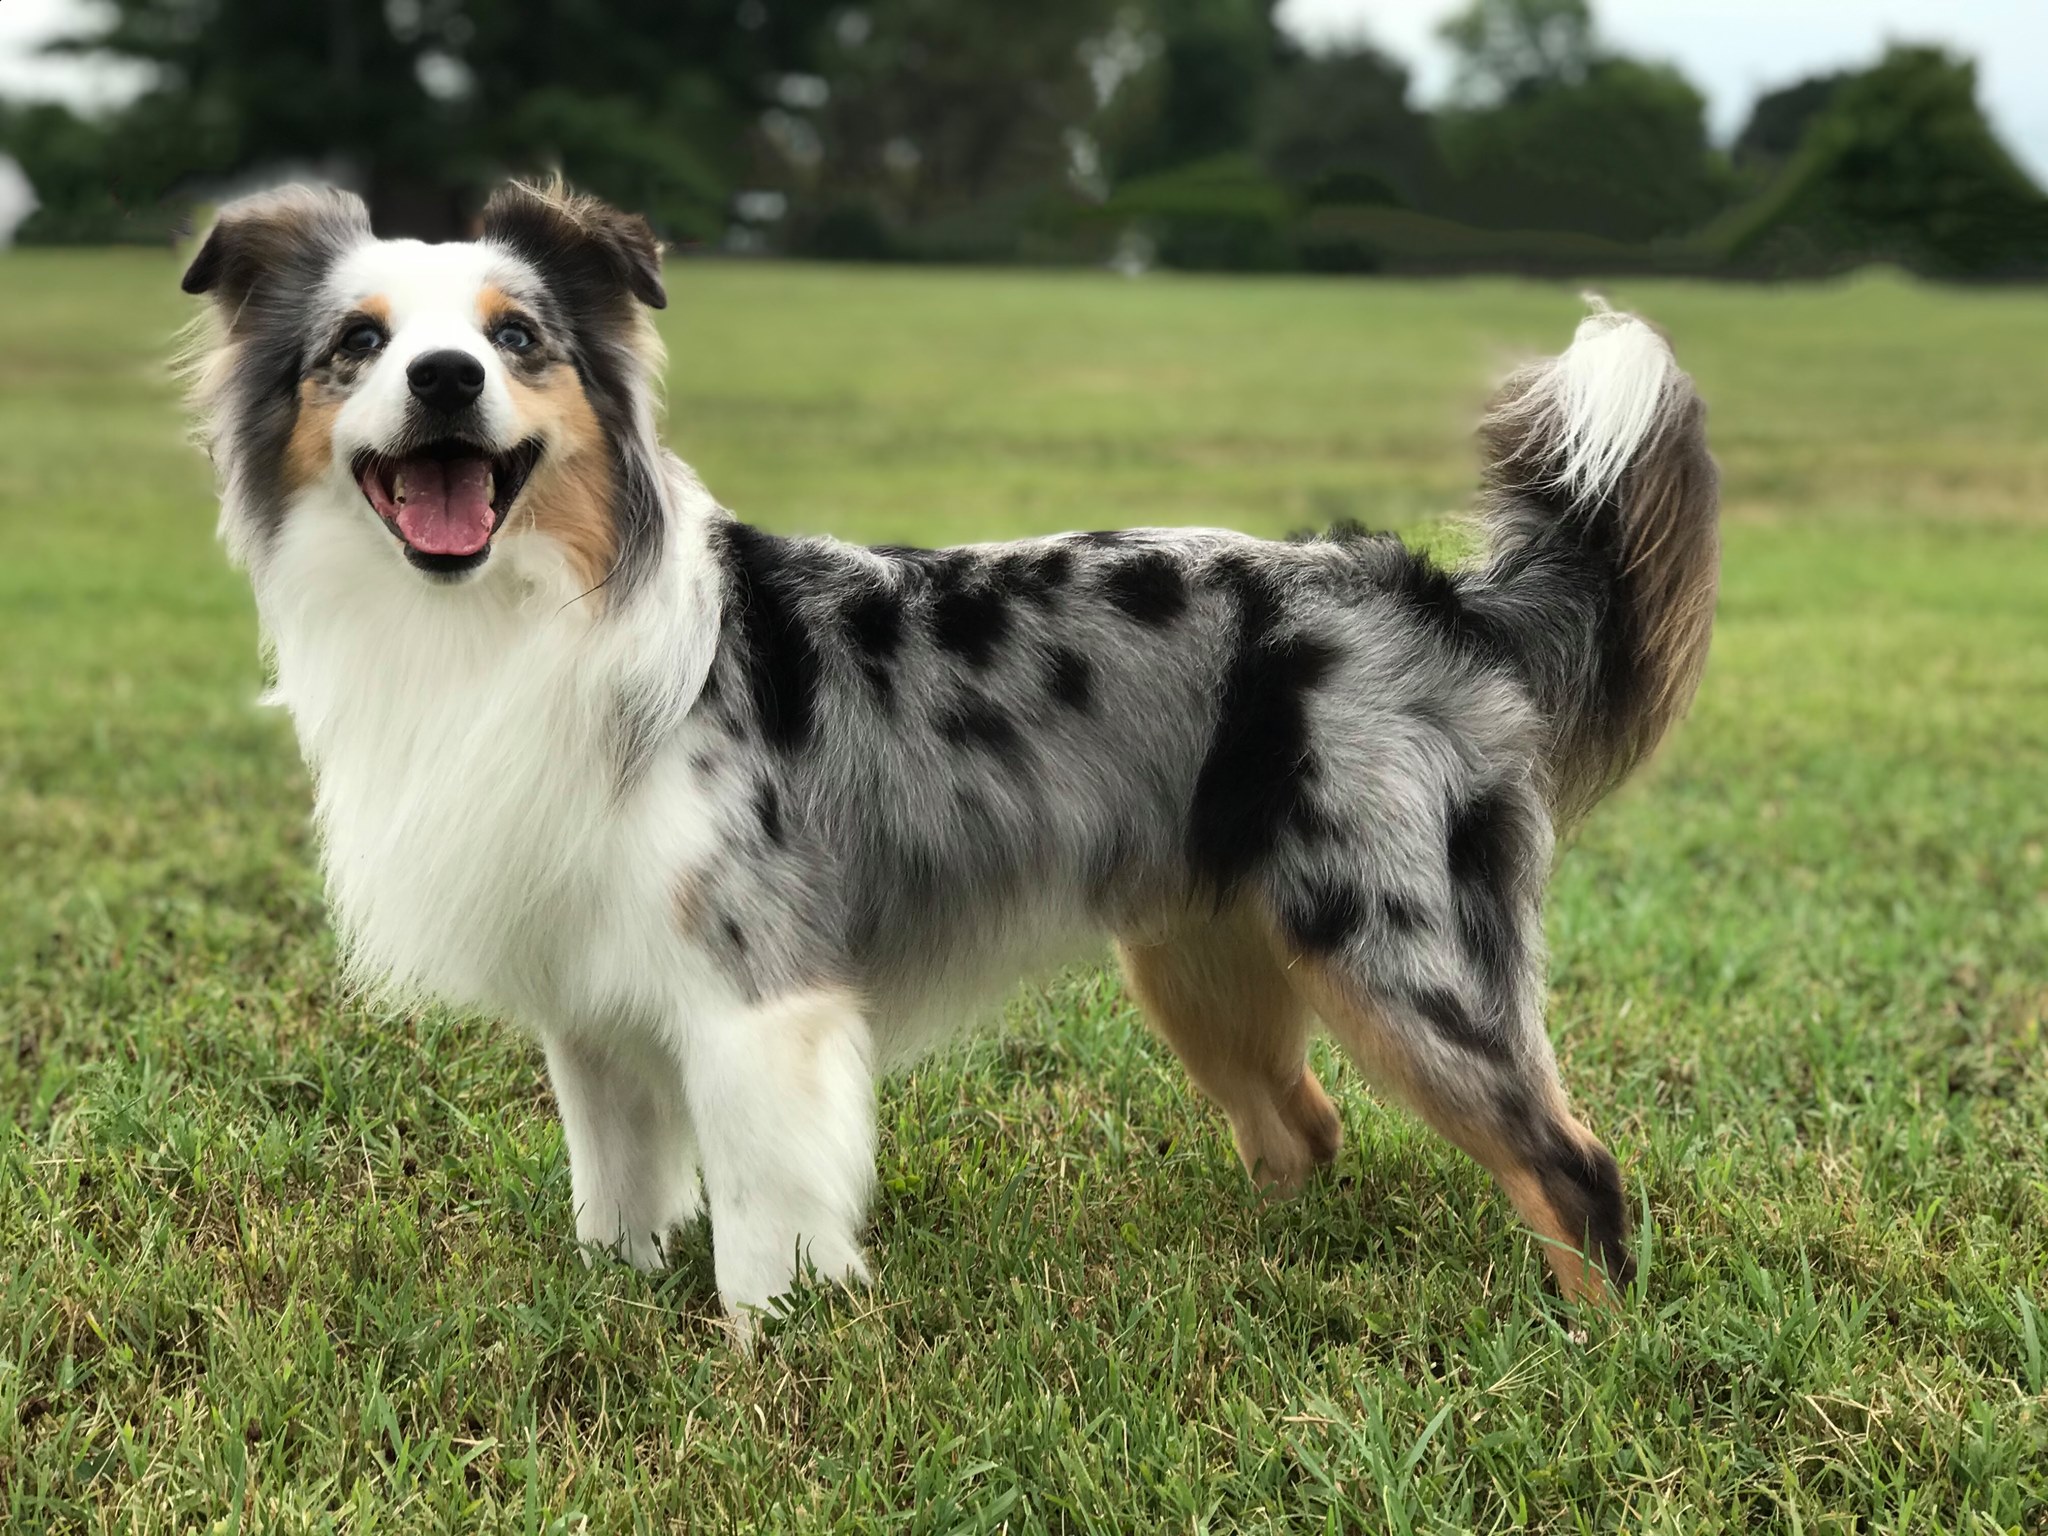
x=491, y=488
x=398, y=490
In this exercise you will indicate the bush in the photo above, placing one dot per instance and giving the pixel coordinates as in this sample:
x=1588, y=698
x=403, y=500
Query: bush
x=846, y=230
x=1381, y=239
x=1900, y=167
x=1339, y=129
x=72, y=163
x=1223, y=214
x=1622, y=154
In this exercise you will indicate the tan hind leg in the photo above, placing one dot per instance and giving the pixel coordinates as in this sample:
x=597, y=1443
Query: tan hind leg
x=1215, y=992
x=1499, y=1102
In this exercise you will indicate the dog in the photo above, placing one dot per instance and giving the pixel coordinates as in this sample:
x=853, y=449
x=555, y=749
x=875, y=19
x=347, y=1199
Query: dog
x=735, y=822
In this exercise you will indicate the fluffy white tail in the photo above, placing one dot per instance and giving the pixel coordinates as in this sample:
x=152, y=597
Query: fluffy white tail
x=1604, y=549
x=1602, y=399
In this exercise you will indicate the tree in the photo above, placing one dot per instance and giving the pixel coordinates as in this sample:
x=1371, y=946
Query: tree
x=421, y=103
x=1554, y=132
x=1339, y=129
x=949, y=119
x=246, y=84
x=1902, y=166
x=1779, y=121
x=1200, y=95
x=656, y=104
x=1622, y=152
x=1510, y=48
x=72, y=164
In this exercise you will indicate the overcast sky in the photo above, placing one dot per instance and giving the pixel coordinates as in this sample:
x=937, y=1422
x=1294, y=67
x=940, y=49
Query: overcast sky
x=1735, y=49
x=1732, y=49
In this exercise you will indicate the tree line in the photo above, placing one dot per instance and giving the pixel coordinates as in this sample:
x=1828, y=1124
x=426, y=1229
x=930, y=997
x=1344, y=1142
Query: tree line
x=1194, y=133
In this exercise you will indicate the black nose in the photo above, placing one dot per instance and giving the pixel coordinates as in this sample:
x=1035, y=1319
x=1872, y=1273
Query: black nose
x=447, y=380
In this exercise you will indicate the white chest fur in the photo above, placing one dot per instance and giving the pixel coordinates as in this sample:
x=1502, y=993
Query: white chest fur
x=463, y=743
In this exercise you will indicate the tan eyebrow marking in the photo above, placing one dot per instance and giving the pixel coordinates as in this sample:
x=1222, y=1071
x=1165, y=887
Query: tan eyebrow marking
x=494, y=304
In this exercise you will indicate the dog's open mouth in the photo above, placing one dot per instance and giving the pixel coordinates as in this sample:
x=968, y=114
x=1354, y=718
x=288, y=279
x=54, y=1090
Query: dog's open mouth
x=444, y=501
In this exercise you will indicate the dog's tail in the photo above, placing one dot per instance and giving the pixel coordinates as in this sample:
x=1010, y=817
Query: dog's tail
x=1603, y=551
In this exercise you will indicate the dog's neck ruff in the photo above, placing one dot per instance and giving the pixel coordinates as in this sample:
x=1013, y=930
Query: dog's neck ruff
x=467, y=743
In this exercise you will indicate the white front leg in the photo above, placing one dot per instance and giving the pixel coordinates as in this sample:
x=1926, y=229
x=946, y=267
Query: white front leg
x=783, y=1099
x=632, y=1158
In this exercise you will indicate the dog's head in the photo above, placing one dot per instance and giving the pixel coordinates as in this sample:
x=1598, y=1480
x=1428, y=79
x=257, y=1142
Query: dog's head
x=441, y=396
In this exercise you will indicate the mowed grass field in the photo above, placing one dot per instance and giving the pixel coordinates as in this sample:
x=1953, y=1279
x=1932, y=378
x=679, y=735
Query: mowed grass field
x=272, y=1262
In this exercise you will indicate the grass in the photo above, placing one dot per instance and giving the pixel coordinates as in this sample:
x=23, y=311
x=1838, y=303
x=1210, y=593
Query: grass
x=272, y=1262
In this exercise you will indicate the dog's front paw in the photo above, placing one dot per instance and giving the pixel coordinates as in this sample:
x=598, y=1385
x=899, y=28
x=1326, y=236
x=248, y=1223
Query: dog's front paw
x=686, y=1201
x=748, y=1291
x=644, y=1251
x=744, y=1319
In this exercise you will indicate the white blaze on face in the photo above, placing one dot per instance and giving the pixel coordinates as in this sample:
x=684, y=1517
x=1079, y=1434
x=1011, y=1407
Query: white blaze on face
x=430, y=294
x=440, y=493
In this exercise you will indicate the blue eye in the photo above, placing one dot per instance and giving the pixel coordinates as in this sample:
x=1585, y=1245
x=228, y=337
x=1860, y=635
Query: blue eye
x=513, y=337
x=362, y=340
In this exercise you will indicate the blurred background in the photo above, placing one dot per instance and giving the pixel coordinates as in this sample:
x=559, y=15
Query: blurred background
x=1742, y=138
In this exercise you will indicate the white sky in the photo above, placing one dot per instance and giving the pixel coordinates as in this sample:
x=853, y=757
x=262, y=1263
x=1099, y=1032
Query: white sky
x=1735, y=49
x=1731, y=49
x=25, y=25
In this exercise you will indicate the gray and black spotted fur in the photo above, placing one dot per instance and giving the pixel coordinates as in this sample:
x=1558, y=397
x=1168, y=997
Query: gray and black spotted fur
x=1132, y=721
x=1110, y=730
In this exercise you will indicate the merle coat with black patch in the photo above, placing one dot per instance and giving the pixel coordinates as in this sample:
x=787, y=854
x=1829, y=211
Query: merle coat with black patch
x=978, y=752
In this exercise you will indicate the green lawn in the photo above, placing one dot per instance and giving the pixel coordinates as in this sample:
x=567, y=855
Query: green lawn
x=269, y=1261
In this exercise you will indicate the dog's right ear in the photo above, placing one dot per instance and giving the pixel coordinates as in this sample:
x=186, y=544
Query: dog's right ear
x=289, y=235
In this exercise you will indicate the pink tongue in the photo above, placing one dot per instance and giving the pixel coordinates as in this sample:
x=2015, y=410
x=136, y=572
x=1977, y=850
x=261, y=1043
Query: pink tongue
x=444, y=506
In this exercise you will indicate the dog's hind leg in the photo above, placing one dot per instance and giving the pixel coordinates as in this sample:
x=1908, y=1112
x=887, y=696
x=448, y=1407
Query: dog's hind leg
x=1436, y=992
x=782, y=1096
x=1214, y=990
x=1509, y=1115
x=632, y=1162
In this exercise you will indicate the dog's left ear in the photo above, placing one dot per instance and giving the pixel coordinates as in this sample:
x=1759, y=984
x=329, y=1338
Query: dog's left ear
x=284, y=238
x=577, y=242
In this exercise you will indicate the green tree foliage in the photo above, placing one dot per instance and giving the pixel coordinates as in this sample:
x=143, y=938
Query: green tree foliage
x=1339, y=129
x=423, y=101
x=65, y=158
x=939, y=126
x=1336, y=129
x=1779, y=121
x=1622, y=153
x=983, y=129
x=244, y=84
x=1221, y=214
x=1509, y=48
x=1205, y=85
x=1180, y=134
x=1902, y=166
x=654, y=103
x=1555, y=133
